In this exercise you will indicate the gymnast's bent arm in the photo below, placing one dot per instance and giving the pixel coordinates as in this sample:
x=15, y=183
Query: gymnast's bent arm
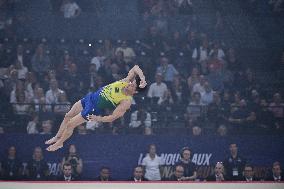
x=136, y=70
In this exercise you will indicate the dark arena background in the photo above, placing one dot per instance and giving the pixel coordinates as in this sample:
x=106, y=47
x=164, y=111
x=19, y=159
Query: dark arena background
x=212, y=115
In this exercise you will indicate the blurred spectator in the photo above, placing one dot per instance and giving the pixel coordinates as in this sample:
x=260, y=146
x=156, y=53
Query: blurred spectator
x=207, y=95
x=82, y=130
x=189, y=168
x=265, y=118
x=196, y=130
x=139, y=120
x=194, y=108
x=21, y=70
x=222, y=130
x=63, y=105
x=249, y=173
x=21, y=108
x=148, y=131
x=119, y=61
x=218, y=173
x=37, y=168
x=218, y=51
x=98, y=60
x=200, y=56
x=167, y=70
x=157, y=90
x=215, y=78
x=39, y=98
x=242, y=119
x=138, y=175
x=199, y=85
x=11, y=166
x=128, y=53
x=234, y=164
x=32, y=127
x=40, y=61
x=152, y=164
x=215, y=64
x=215, y=111
x=178, y=174
x=65, y=66
x=153, y=42
x=67, y=173
x=70, y=9
x=105, y=175
x=193, y=78
x=232, y=61
x=20, y=56
x=179, y=90
x=277, y=174
x=74, y=159
x=107, y=49
x=21, y=89
x=52, y=95
x=277, y=108
x=46, y=127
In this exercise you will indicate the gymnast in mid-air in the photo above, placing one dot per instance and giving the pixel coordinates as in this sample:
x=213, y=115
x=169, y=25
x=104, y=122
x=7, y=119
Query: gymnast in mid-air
x=117, y=95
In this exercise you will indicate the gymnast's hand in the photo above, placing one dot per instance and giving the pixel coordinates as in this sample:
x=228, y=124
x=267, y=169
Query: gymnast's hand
x=143, y=83
x=92, y=117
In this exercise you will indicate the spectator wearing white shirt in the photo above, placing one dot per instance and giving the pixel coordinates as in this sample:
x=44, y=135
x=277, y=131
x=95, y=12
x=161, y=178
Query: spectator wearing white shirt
x=32, y=125
x=199, y=86
x=158, y=89
x=51, y=96
x=21, y=69
x=128, y=52
x=218, y=50
x=140, y=119
x=70, y=9
x=152, y=164
x=98, y=60
x=207, y=95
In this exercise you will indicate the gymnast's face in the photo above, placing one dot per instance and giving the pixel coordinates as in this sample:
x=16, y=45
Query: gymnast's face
x=131, y=87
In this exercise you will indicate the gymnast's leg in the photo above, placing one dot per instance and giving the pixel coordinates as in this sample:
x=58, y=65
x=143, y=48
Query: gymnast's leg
x=70, y=126
x=76, y=109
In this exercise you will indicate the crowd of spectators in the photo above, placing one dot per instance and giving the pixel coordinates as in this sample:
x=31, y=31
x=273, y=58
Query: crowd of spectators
x=206, y=86
x=234, y=167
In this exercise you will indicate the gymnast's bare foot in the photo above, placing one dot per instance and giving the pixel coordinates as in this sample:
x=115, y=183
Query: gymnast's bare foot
x=52, y=140
x=54, y=147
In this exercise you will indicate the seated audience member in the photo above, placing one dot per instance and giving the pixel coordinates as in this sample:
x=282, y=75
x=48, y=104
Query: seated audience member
x=67, y=173
x=152, y=164
x=139, y=120
x=189, y=167
x=63, y=105
x=105, y=175
x=74, y=159
x=46, y=126
x=277, y=174
x=234, y=164
x=178, y=174
x=158, y=89
x=218, y=173
x=32, y=127
x=249, y=173
x=37, y=168
x=10, y=167
x=138, y=175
